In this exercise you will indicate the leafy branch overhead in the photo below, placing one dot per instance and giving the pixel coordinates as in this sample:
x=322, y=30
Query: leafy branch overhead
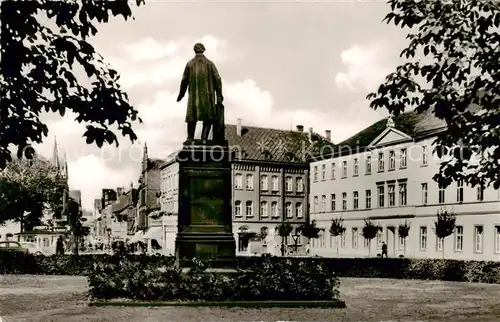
x=40, y=61
x=458, y=81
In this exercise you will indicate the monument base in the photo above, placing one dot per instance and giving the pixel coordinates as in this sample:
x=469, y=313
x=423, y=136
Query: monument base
x=205, y=225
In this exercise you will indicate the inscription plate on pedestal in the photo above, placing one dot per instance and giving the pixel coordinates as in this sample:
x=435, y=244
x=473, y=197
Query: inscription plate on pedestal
x=207, y=201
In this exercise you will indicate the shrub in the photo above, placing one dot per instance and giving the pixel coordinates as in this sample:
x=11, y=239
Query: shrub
x=272, y=280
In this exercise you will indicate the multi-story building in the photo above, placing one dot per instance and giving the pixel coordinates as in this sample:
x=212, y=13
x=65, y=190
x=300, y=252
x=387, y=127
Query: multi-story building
x=269, y=186
x=385, y=174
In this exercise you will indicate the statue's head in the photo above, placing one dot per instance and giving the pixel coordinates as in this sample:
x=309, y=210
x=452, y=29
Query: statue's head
x=199, y=48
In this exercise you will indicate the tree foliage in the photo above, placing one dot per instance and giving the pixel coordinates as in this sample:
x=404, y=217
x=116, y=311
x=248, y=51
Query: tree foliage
x=404, y=230
x=309, y=229
x=27, y=189
x=444, y=225
x=460, y=40
x=44, y=43
x=337, y=227
x=370, y=230
x=284, y=229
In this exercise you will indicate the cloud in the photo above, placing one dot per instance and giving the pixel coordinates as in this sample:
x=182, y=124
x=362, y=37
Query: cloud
x=90, y=175
x=366, y=67
x=152, y=62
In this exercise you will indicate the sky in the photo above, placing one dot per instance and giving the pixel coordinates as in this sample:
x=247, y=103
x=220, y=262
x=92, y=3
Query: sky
x=283, y=63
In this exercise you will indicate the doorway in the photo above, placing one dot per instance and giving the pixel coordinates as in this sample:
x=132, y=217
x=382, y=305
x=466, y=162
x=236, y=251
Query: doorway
x=391, y=241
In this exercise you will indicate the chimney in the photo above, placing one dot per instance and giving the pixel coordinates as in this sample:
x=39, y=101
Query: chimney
x=238, y=127
x=300, y=128
x=328, y=135
x=310, y=134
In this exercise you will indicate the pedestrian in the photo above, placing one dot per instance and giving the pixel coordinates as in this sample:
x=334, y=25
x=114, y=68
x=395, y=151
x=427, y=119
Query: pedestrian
x=60, y=246
x=384, y=250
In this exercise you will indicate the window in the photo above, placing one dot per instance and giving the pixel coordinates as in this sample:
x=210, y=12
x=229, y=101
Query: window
x=368, y=164
x=323, y=203
x=403, y=158
x=274, y=209
x=380, y=237
x=333, y=202
x=316, y=204
x=237, y=208
x=478, y=239
x=424, y=193
x=300, y=185
x=263, y=209
x=392, y=160
x=249, y=208
x=391, y=194
x=323, y=172
x=423, y=238
x=315, y=178
x=497, y=239
x=355, y=237
x=342, y=240
x=480, y=193
x=275, y=183
x=460, y=191
x=459, y=238
x=424, y=155
x=250, y=181
x=441, y=195
x=298, y=210
x=381, y=161
x=367, y=243
x=439, y=244
x=333, y=170
x=368, y=199
x=289, y=184
x=344, y=200
x=264, y=183
x=401, y=243
x=288, y=210
x=322, y=240
x=402, y=194
x=380, y=190
x=238, y=181
x=356, y=167
x=344, y=169
x=355, y=196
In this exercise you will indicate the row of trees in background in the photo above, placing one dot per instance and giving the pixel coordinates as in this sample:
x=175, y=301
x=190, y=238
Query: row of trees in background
x=444, y=226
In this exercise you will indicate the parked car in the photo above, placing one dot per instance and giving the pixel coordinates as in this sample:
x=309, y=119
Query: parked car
x=12, y=246
x=32, y=248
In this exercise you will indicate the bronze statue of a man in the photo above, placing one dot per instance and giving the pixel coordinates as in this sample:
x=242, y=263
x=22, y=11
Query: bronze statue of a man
x=204, y=97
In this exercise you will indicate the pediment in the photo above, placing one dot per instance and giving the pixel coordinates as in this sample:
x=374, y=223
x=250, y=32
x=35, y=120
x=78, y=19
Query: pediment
x=390, y=136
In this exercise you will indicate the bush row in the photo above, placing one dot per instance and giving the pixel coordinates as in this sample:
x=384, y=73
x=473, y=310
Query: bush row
x=405, y=268
x=272, y=280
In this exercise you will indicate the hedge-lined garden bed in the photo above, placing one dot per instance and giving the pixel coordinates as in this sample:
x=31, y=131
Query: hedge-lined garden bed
x=430, y=269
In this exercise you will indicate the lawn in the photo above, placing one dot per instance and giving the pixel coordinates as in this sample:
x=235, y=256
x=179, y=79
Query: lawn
x=44, y=298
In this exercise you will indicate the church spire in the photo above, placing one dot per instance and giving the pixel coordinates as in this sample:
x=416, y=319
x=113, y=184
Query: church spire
x=55, y=155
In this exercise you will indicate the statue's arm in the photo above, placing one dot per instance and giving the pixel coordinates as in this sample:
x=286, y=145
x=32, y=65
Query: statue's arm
x=217, y=83
x=184, y=83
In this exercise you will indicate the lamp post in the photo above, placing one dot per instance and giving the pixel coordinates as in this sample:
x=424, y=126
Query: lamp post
x=296, y=237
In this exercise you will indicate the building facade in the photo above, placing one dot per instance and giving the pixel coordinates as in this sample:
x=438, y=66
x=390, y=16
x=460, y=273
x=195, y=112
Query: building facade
x=384, y=174
x=269, y=186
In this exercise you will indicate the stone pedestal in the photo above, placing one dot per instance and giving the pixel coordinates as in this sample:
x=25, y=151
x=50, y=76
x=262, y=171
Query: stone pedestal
x=205, y=224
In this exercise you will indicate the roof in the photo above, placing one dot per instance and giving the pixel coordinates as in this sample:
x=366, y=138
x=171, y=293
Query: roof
x=123, y=202
x=272, y=145
x=417, y=125
x=155, y=163
x=38, y=232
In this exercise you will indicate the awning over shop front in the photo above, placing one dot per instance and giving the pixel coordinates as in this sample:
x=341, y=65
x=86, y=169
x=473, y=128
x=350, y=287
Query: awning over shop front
x=137, y=237
x=154, y=233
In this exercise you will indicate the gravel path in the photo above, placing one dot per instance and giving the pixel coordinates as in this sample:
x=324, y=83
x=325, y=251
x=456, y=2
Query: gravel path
x=47, y=298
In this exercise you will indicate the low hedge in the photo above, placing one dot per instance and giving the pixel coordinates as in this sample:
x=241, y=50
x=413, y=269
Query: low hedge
x=272, y=280
x=405, y=268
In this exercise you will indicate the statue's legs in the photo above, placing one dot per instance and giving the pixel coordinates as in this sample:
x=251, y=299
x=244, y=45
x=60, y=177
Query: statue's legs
x=191, y=127
x=207, y=125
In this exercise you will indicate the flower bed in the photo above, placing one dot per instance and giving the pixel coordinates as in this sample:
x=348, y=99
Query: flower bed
x=271, y=281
